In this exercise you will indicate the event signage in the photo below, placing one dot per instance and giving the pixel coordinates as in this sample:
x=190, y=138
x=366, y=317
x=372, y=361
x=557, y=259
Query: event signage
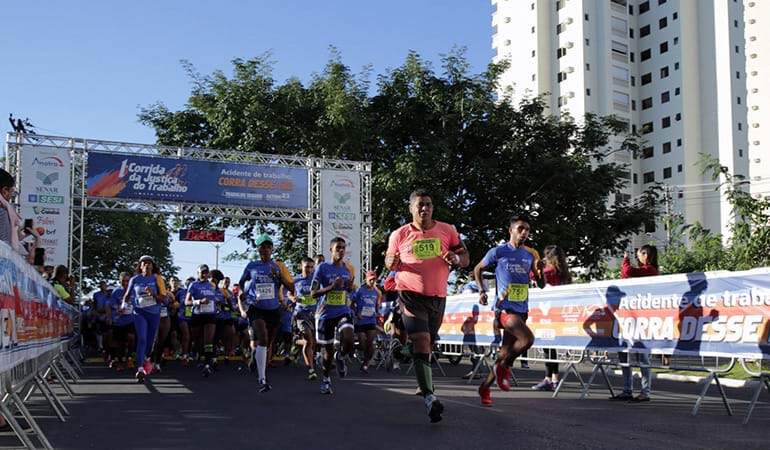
x=45, y=197
x=341, y=212
x=202, y=235
x=150, y=178
x=35, y=320
x=698, y=314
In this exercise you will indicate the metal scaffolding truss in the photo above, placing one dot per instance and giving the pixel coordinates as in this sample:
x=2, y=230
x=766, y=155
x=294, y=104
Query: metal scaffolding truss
x=80, y=148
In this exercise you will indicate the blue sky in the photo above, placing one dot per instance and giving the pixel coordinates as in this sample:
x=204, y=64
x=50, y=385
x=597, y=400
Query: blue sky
x=85, y=68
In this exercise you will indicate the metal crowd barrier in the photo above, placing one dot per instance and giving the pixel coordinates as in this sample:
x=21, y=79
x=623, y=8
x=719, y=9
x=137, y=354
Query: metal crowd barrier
x=760, y=369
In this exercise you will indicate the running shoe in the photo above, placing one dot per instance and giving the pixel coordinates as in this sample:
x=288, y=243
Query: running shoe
x=503, y=376
x=544, y=385
x=342, y=367
x=623, y=397
x=326, y=387
x=206, y=371
x=396, y=366
x=365, y=369
x=140, y=375
x=185, y=360
x=311, y=375
x=486, y=395
x=434, y=407
x=525, y=365
x=264, y=386
x=147, y=366
x=156, y=367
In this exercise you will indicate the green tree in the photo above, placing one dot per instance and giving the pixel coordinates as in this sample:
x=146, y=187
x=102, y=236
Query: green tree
x=481, y=156
x=114, y=241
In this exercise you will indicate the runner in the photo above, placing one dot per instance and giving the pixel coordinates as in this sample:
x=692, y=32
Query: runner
x=202, y=296
x=366, y=309
x=123, y=333
x=422, y=253
x=164, y=328
x=225, y=331
x=259, y=302
x=145, y=291
x=515, y=265
x=304, y=315
x=394, y=325
x=102, y=302
x=332, y=284
x=184, y=316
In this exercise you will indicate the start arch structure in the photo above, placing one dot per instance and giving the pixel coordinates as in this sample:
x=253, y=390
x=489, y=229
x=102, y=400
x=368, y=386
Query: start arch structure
x=59, y=178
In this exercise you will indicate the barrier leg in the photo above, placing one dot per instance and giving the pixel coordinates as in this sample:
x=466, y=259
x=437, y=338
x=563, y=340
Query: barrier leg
x=17, y=429
x=75, y=362
x=482, y=362
x=514, y=380
x=587, y=387
x=570, y=369
x=763, y=383
x=724, y=397
x=30, y=391
x=70, y=371
x=435, y=359
x=55, y=397
x=607, y=380
x=30, y=420
x=703, y=392
x=47, y=395
x=62, y=381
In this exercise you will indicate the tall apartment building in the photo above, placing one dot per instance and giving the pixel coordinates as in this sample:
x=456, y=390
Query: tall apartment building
x=673, y=69
x=757, y=24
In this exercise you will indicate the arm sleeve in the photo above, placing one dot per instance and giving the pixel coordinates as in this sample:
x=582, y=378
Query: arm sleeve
x=626, y=269
x=490, y=258
x=246, y=276
x=454, y=239
x=129, y=292
x=393, y=243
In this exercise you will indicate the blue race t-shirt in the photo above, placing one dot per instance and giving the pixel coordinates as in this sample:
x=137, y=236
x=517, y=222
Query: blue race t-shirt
x=103, y=300
x=364, y=304
x=184, y=312
x=137, y=293
x=336, y=302
x=223, y=306
x=306, y=304
x=118, y=319
x=201, y=289
x=512, y=275
x=261, y=281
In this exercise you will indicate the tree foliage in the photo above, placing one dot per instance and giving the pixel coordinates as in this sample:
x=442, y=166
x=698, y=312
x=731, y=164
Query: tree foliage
x=482, y=157
x=114, y=241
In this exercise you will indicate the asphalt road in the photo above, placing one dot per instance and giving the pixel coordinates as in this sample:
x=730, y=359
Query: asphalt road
x=180, y=409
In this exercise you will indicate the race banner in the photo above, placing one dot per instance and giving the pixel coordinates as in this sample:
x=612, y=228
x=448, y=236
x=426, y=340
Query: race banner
x=34, y=319
x=698, y=314
x=191, y=181
x=341, y=213
x=45, y=198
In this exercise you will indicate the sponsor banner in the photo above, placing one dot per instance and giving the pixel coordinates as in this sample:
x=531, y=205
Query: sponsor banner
x=183, y=180
x=202, y=235
x=699, y=314
x=341, y=213
x=35, y=320
x=45, y=197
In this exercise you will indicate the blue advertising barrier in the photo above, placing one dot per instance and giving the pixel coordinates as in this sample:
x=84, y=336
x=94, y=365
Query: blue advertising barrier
x=185, y=180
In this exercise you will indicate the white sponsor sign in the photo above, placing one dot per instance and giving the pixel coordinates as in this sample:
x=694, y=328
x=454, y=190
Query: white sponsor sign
x=341, y=211
x=44, y=197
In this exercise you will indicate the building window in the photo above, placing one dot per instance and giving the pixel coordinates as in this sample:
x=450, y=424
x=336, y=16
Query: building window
x=646, y=79
x=739, y=100
x=636, y=178
x=667, y=147
x=533, y=28
x=621, y=100
x=665, y=122
x=738, y=74
x=660, y=2
x=667, y=172
x=533, y=77
x=665, y=97
x=664, y=72
x=633, y=80
x=633, y=105
x=679, y=142
x=561, y=76
x=561, y=51
x=586, y=16
x=648, y=152
x=679, y=168
x=532, y=6
x=647, y=128
x=644, y=31
x=559, y=28
x=647, y=103
x=740, y=153
x=631, y=56
x=631, y=9
x=676, y=40
x=644, y=7
x=735, y=23
x=588, y=67
x=533, y=53
x=663, y=23
x=740, y=126
x=675, y=15
x=588, y=42
x=737, y=49
x=678, y=117
x=648, y=177
x=631, y=33
x=646, y=54
x=676, y=65
x=676, y=91
x=588, y=92
x=619, y=48
x=663, y=47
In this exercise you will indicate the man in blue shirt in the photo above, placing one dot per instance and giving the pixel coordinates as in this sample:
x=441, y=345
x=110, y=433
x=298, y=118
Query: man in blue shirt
x=304, y=315
x=332, y=285
x=515, y=264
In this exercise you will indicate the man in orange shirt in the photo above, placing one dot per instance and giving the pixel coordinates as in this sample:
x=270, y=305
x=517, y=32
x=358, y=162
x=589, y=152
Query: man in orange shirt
x=422, y=253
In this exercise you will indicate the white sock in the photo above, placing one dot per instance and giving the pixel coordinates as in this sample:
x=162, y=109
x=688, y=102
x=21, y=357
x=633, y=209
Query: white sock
x=261, y=354
x=99, y=340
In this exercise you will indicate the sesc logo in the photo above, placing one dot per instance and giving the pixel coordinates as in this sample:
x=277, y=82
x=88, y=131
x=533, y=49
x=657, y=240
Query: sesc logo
x=48, y=161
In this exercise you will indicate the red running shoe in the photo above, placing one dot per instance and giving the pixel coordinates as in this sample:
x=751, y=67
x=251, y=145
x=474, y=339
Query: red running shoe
x=503, y=376
x=147, y=366
x=486, y=395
